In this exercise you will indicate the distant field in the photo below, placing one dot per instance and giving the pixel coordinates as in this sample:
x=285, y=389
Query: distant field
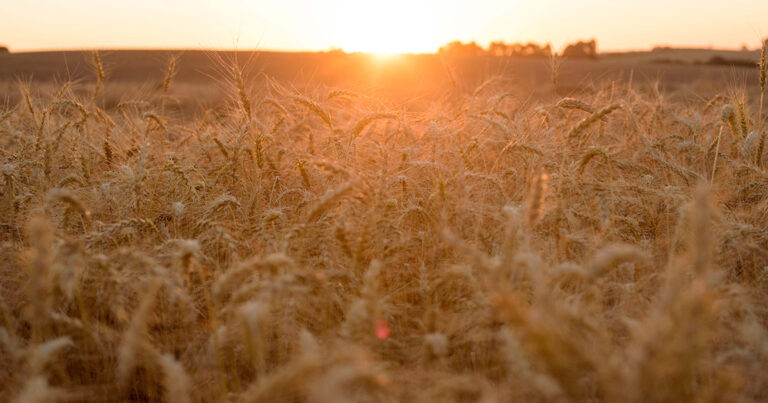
x=408, y=79
x=683, y=55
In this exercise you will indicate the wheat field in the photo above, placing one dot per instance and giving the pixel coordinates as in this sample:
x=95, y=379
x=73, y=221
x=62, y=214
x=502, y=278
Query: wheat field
x=310, y=243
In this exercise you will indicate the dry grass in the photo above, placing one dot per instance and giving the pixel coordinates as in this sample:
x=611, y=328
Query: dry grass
x=318, y=246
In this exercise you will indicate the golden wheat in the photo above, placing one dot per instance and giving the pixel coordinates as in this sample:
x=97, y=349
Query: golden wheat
x=321, y=247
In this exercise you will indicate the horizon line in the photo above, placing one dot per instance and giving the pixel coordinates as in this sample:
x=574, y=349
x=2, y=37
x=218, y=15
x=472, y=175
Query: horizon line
x=332, y=50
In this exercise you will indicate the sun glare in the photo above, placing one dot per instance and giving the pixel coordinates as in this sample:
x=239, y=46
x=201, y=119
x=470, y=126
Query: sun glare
x=397, y=26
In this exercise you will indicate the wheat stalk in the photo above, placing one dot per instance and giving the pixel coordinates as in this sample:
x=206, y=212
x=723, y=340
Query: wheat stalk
x=67, y=197
x=536, y=199
x=555, y=63
x=327, y=200
x=170, y=71
x=362, y=123
x=763, y=73
x=76, y=105
x=590, y=120
x=132, y=343
x=242, y=93
x=315, y=108
x=178, y=386
x=571, y=103
x=717, y=152
x=157, y=120
x=100, y=76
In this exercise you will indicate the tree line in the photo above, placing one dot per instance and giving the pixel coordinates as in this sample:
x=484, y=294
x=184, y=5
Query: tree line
x=580, y=49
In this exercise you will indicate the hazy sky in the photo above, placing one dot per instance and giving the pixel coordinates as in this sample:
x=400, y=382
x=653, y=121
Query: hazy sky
x=380, y=25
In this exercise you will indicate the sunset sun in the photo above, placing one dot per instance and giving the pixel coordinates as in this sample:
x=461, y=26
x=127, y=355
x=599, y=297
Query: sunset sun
x=398, y=26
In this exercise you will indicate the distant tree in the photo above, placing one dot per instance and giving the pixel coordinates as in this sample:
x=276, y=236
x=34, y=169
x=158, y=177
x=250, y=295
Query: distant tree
x=581, y=49
x=4, y=49
x=462, y=49
x=546, y=50
x=534, y=49
x=515, y=49
x=498, y=48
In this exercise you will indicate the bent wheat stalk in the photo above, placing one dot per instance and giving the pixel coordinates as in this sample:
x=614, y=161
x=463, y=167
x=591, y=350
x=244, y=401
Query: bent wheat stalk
x=590, y=120
x=763, y=72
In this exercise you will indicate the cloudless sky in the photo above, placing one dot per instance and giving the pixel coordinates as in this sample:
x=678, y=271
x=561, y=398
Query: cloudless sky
x=380, y=25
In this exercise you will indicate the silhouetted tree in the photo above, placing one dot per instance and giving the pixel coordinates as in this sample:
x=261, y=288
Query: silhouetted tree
x=4, y=49
x=534, y=49
x=515, y=49
x=581, y=49
x=498, y=48
x=547, y=50
x=463, y=49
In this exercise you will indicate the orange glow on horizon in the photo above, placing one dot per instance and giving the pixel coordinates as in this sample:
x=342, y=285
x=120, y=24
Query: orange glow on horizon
x=397, y=26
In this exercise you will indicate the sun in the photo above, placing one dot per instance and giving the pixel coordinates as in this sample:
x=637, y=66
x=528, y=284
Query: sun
x=396, y=26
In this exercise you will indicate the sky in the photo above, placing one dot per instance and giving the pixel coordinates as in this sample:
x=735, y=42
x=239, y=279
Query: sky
x=377, y=26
